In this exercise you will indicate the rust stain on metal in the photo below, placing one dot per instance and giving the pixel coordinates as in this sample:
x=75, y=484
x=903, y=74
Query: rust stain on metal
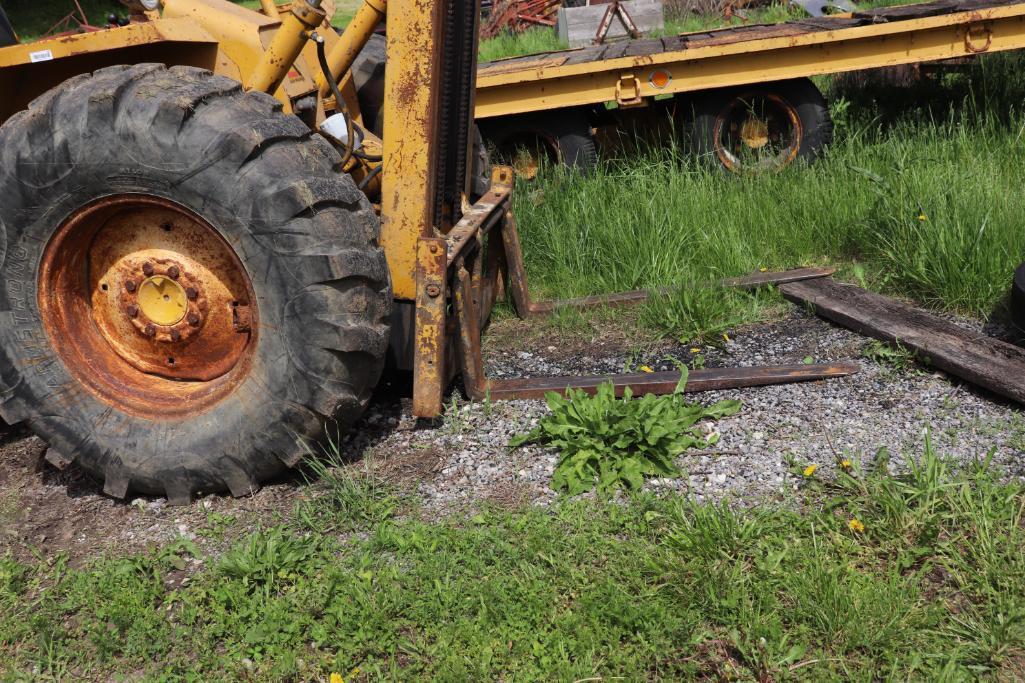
x=89, y=293
x=713, y=379
x=429, y=377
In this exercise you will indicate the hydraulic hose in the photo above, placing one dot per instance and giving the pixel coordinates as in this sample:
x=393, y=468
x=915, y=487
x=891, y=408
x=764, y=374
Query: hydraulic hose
x=350, y=130
x=374, y=172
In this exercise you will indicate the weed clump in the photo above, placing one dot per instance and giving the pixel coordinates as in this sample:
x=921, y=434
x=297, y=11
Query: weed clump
x=608, y=442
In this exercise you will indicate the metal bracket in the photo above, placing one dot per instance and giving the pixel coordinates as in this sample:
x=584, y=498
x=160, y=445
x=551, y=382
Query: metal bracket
x=628, y=91
x=978, y=38
x=615, y=9
x=429, y=377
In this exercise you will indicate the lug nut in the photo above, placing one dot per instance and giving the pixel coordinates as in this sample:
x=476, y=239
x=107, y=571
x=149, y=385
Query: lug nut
x=173, y=272
x=130, y=285
x=133, y=311
x=147, y=269
x=176, y=335
x=149, y=331
x=191, y=293
x=193, y=319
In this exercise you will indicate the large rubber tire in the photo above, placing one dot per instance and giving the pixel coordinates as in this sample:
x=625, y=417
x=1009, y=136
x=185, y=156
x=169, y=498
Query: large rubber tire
x=799, y=96
x=306, y=237
x=564, y=136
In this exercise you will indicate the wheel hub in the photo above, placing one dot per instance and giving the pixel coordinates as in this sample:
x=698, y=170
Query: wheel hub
x=758, y=131
x=162, y=300
x=755, y=133
x=151, y=307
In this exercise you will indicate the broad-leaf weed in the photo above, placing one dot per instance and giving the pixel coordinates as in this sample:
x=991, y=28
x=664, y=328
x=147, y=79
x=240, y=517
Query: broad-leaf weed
x=608, y=442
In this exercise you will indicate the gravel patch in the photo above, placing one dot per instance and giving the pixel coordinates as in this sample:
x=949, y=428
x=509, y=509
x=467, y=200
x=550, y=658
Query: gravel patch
x=816, y=422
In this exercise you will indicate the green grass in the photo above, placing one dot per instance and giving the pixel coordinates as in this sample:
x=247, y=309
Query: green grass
x=918, y=196
x=658, y=589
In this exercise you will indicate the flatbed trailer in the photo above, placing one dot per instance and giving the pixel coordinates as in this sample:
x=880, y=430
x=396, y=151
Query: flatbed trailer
x=746, y=86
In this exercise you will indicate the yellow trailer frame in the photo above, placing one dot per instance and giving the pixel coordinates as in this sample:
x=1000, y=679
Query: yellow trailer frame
x=632, y=73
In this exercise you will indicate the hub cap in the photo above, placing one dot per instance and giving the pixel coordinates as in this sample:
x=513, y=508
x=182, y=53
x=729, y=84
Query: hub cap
x=757, y=132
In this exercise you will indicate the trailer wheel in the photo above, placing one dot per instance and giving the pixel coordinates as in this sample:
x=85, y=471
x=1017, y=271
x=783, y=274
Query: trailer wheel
x=527, y=140
x=190, y=287
x=764, y=127
x=1018, y=298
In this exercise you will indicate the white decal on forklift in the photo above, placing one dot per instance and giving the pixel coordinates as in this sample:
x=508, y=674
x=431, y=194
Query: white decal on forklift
x=41, y=56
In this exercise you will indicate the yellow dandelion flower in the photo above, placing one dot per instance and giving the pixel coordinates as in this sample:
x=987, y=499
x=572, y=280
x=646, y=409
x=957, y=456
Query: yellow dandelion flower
x=810, y=470
x=645, y=368
x=845, y=464
x=922, y=217
x=725, y=337
x=856, y=526
x=695, y=350
x=337, y=678
x=763, y=270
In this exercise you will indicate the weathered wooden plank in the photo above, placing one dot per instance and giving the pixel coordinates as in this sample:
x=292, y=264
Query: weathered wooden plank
x=577, y=26
x=972, y=356
x=756, y=280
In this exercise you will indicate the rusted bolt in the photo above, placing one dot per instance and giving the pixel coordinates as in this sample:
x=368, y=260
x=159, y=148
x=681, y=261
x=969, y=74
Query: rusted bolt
x=149, y=331
x=434, y=248
x=133, y=311
x=176, y=335
x=433, y=291
x=130, y=285
x=147, y=269
x=192, y=293
x=193, y=319
x=173, y=272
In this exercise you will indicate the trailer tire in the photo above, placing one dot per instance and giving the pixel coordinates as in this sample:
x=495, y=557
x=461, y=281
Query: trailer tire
x=763, y=127
x=263, y=250
x=563, y=137
x=1018, y=298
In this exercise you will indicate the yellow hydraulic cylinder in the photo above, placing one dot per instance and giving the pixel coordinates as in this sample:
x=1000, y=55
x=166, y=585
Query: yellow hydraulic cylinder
x=352, y=40
x=288, y=42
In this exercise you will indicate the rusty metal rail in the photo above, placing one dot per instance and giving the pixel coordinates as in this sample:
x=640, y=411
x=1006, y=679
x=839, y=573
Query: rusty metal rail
x=710, y=379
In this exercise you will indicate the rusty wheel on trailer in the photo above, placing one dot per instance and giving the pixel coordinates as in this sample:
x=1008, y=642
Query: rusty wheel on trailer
x=761, y=128
x=191, y=290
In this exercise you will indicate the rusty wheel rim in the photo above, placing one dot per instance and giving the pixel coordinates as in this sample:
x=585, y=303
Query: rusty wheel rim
x=148, y=306
x=757, y=132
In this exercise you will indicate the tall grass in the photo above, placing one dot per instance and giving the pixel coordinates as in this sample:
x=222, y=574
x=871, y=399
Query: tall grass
x=926, y=202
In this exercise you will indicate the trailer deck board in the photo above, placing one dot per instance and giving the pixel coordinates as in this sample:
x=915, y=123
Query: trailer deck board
x=975, y=357
x=739, y=55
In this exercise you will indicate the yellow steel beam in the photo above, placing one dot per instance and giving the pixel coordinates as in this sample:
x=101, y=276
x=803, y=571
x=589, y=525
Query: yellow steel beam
x=289, y=40
x=548, y=83
x=410, y=133
x=133, y=35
